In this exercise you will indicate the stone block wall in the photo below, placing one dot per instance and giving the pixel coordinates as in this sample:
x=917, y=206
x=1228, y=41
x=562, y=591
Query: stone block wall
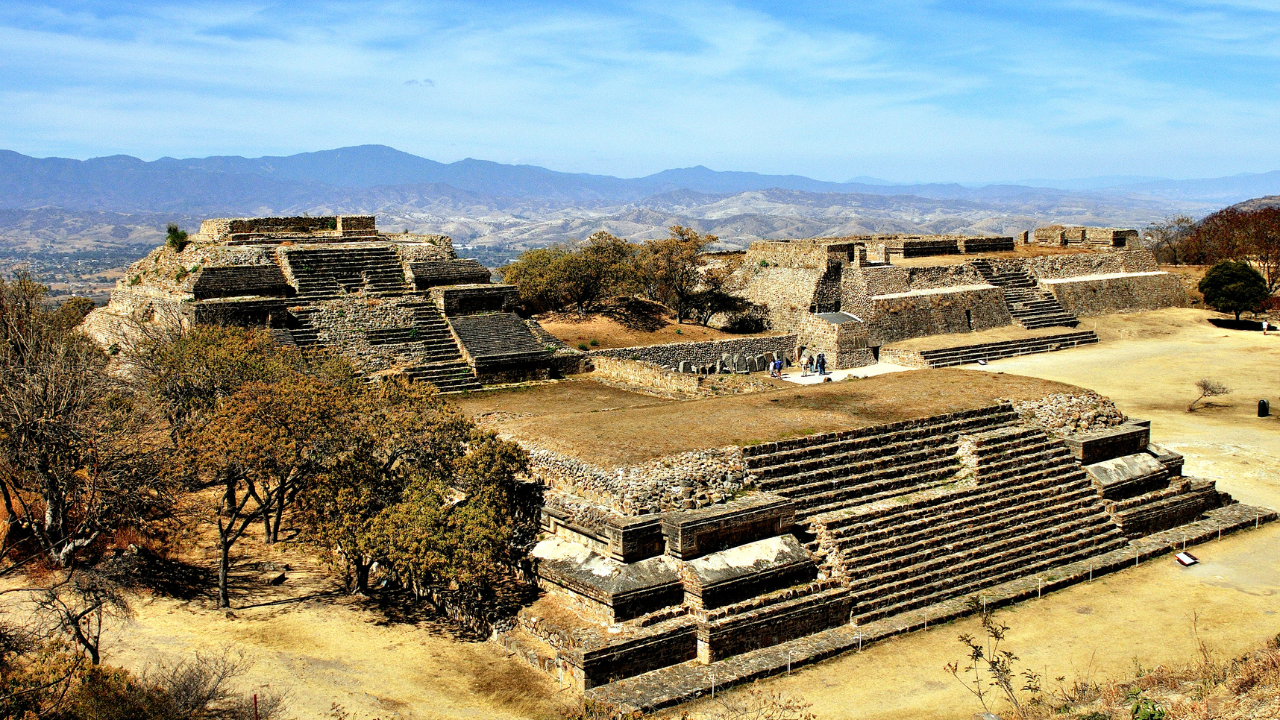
x=1076, y=235
x=248, y=313
x=936, y=312
x=1133, y=292
x=1126, y=439
x=970, y=245
x=475, y=298
x=700, y=353
x=431, y=273
x=888, y=280
x=786, y=293
x=237, y=281
x=754, y=517
x=695, y=479
x=646, y=376
x=669, y=647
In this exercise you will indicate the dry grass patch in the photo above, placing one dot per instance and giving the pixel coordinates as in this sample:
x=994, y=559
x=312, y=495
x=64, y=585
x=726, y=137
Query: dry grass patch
x=645, y=431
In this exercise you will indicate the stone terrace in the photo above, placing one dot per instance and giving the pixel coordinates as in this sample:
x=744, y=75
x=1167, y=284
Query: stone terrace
x=562, y=417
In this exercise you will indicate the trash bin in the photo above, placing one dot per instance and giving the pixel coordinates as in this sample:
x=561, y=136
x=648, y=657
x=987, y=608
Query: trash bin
x=1264, y=408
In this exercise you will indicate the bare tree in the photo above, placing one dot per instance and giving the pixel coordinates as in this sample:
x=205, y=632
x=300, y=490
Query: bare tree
x=75, y=458
x=1208, y=388
x=81, y=605
x=203, y=688
x=1165, y=238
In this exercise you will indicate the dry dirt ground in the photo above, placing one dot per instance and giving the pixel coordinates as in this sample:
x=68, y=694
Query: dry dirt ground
x=628, y=323
x=1142, y=615
x=601, y=426
x=306, y=639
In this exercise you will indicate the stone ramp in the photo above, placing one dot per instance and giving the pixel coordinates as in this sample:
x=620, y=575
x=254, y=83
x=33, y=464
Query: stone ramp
x=687, y=681
x=965, y=354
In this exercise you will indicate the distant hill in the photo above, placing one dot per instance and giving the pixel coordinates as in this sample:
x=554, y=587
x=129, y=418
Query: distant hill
x=374, y=175
x=52, y=209
x=1259, y=203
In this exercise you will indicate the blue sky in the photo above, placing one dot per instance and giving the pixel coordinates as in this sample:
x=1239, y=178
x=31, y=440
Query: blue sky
x=902, y=90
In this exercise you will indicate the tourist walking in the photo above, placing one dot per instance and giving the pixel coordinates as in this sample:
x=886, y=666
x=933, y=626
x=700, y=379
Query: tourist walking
x=822, y=363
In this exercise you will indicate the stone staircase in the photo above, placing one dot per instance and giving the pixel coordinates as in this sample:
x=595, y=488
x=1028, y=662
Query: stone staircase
x=1028, y=304
x=915, y=513
x=437, y=359
x=839, y=470
x=964, y=354
x=327, y=272
x=301, y=328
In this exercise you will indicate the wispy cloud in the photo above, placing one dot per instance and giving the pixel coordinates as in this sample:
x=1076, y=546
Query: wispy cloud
x=912, y=89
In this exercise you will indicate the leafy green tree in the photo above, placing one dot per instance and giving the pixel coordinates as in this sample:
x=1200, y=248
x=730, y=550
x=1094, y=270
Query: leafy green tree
x=1233, y=287
x=579, y=275
x=535, y=274
x=400, y=429
x=262, y=446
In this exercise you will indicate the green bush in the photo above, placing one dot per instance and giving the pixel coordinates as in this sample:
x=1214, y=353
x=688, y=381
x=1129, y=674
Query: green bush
x=595, y=342
x=582, y=346
x=1233, y=287
x=176, y=237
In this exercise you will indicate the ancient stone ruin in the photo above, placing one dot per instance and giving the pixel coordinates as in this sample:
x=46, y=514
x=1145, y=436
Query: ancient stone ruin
x=708, y=568
x=846, y=298
x=390, y=303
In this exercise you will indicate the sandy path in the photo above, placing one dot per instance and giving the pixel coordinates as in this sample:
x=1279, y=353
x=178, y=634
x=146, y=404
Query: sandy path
x=321, y=654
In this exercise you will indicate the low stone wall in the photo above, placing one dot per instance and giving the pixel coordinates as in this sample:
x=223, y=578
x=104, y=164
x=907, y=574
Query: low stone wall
x=475, y=298
x=646, y=376
x=695, y=479
x=700, y=353
x=1106, y=294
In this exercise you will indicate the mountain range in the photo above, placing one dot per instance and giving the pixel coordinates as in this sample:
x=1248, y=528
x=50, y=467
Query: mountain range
x=495, y=210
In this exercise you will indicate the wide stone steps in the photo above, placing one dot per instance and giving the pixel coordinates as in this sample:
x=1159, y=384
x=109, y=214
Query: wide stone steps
x=836, y=500
x=1028, y=474
x=947, y=357
x=883, y=541
x=447, y=377
x=875, y=442
x=397, y=336
x=764, y=600
x=304, y=333
x=783, y=606
x=852, y=462
x=1028, y=304
x=936, y=570
x=1030, y=507
x=867, y=477
x=325, y=273
x=978, y=575
x=957, y=536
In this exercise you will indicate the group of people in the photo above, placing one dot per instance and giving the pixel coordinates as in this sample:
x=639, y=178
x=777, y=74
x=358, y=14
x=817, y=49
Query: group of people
x=813, y=364
x=809, y=364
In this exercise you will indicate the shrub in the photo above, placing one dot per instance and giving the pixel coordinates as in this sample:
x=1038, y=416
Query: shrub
x=176, y=237
x=582, y=346
x=595, y=342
